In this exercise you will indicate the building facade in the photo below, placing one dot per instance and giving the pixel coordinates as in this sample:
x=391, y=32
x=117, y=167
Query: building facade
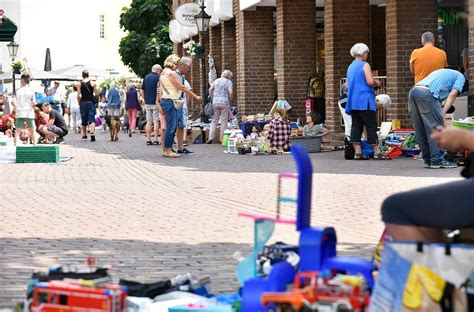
x=85, y=32
x=274, y=46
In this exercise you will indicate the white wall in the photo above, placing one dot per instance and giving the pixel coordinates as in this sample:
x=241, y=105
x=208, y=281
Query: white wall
x=70, y=29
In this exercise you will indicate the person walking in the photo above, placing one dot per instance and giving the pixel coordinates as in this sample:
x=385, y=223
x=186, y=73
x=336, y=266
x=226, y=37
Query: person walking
x=361, y=101
x=132, y=105
x=113, y=101
x=427, y=112
x=221, y=93
x=149, y=93
x=184, y=66
x=171, y=89
x=73, y=108
x=57, y=93
x=86, y=96
x=24, y=103
x=425, y=60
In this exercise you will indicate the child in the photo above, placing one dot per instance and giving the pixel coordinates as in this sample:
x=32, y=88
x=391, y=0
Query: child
x=280, y=129
x=315, y=126
x=255, y=132
x=9, y=127
x=102, y=112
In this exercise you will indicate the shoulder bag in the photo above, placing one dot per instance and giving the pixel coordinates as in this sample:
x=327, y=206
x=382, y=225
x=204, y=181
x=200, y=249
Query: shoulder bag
x=178, y=103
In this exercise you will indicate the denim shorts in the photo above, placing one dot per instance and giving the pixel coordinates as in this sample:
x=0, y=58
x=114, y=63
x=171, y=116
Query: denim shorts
x=87, y=110
x=180, y=119
x=56, y=130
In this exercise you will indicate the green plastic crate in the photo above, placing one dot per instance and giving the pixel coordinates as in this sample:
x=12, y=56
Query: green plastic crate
x=37, y=154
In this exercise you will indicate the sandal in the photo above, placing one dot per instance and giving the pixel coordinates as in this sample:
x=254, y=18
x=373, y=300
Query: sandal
x=360, y=157
x=149, y=143
x=170, y=155
x=381, y=157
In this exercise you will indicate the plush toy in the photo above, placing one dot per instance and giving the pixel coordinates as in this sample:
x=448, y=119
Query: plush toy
x=383, y=101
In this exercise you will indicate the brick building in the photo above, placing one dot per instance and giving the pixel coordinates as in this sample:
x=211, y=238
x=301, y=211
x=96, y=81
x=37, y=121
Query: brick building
x=274, y=46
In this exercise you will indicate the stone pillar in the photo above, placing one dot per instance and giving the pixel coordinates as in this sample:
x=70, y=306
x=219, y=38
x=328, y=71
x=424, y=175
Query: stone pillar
x=345, y=23
x=229, y=51
x=377, y=39
x=255, y=54
x=195, y=82
x=296, y=44
x=215, y=47
x=406, y=21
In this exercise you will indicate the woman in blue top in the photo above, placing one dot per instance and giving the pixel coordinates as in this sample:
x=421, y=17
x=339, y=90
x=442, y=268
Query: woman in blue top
x=361, y=101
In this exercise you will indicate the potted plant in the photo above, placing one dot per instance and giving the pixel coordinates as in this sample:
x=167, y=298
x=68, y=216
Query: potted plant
x=17, y=67
x=193, y=49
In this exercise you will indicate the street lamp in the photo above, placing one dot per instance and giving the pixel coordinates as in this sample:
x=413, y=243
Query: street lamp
x=202, y=22
x=13, y=50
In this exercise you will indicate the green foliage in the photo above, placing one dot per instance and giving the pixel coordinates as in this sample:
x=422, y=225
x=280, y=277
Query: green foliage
x=147, y=42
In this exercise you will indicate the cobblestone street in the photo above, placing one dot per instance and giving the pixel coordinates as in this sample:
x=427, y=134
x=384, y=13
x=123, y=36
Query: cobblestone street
x=152, y=218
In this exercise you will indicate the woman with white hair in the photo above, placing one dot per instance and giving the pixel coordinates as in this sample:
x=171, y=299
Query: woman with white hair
x=132, y=105
x=361, y=101
x=221, y=93
x=171, y=90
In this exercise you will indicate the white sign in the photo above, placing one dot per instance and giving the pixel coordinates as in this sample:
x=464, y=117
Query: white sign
x=185, y=14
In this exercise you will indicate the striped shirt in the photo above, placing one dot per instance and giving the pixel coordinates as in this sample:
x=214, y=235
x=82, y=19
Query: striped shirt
x=442, y=81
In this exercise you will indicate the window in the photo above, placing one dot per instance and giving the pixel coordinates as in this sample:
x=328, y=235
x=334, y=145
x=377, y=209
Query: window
x=102, y=26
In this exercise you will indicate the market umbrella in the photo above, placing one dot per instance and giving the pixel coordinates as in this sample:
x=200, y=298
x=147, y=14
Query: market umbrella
x=75, y=72
x=47, y=67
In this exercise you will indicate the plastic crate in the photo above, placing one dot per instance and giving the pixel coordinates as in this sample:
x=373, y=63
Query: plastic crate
x=37, y=154
x=311, y=143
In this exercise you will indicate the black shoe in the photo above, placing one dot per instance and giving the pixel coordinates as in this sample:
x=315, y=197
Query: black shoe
x=84, y=138
x=92, y=137
x=59, y=140
x=184, y=151
x=209, y=142
x=129, y=133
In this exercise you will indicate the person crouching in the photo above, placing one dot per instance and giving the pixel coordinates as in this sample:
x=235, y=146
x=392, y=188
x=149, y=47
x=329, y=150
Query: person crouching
x=56, y=128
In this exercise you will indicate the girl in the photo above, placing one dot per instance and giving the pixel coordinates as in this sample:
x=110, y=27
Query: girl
x=315, y=126
x=279, y=133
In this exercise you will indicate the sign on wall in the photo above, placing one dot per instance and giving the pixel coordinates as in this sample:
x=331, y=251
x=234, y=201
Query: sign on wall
x=185, y=14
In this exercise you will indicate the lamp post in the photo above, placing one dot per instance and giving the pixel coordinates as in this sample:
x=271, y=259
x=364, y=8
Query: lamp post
x=13, y=50
x=202, y=22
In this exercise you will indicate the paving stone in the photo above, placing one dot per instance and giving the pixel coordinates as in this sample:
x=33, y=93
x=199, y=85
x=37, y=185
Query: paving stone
x=152, y=218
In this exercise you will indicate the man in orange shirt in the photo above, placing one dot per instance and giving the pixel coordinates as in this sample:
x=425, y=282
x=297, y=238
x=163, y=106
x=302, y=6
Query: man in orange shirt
x=424, y=61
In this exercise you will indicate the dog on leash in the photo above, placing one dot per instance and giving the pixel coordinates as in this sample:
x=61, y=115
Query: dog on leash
x=114, y=127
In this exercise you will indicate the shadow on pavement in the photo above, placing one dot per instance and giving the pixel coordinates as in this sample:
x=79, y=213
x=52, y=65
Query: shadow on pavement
x=143, y=261
x=211, y=158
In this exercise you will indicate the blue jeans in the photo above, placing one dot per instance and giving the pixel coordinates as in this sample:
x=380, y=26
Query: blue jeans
x=426, y=112
x=171, y=121
x=87, y=110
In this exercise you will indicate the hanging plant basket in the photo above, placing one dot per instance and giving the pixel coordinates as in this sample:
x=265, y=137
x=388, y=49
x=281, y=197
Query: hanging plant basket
x=193, y=49
x=17, y=67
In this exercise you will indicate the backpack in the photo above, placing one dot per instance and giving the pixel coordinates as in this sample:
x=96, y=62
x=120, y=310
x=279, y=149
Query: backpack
x=316, y=86
x=349, y=151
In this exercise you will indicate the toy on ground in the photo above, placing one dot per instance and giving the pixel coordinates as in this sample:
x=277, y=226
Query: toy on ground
x=317, y=246
x=67, y=296
x=313, y=292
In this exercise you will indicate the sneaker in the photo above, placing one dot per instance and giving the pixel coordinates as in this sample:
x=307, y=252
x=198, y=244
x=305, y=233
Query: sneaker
x=84, y=138
x=427, y=165
x=59, y=140
x=209, y=142
x=445, y=164
x=92, y=137
x=184, y=151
